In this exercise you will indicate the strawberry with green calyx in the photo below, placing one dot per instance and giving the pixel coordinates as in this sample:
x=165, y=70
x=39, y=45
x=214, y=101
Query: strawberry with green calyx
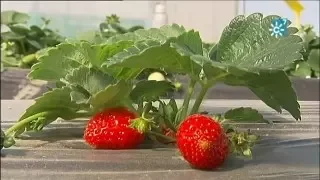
x=204, y=143
x=110, y=130
x=240, y=142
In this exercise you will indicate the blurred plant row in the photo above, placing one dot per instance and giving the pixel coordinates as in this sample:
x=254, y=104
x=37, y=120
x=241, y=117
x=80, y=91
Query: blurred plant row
x=21, y=44
x=310, y=65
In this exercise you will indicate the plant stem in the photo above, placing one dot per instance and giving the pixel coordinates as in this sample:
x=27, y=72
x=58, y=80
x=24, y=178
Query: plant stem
x=140, y=107
x=199, y=99
x=206, y=84
x=187, y=98
x=27, y=120
x=23, y=122
x=170, y=139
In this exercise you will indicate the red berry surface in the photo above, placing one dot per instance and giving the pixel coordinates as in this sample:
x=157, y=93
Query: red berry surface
x=202, y=142
x=110, y=130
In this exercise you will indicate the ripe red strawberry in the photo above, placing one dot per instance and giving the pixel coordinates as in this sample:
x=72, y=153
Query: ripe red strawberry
x=202, y=142
x=110, y=130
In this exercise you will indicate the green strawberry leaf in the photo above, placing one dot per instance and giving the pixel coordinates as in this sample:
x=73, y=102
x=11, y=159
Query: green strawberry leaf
x=109, y=51
x=154, y=54
x=259, y=65
x=91, y=86
x=232, y=55
x=244, y=114
x=173, y=104
x=43, y=52
x=189, y=44
x=273, y=87
x=68, y=56
x=79, y=95
x=19, y=29
x=57, y=100
x=247, y=43
x=113, y=95
x=90, y=79
x=34, y=44
x=156, y=34
x=149, y=40
x=168, y=112
x=46, y=109
x=150, y=90
x=61, y=60
x=35, y=32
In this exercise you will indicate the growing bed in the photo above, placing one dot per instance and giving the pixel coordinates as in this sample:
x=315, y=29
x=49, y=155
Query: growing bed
x=288, y=150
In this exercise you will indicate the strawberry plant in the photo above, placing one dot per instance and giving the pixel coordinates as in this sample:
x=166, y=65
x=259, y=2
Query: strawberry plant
x=92, y=79
x=21, y=45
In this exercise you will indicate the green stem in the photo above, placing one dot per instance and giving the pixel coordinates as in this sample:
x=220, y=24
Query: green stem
x=205, y=86
x=25, y=121
x=170, y=139
x=187, y=98
x=140, y=107
x=199, y=99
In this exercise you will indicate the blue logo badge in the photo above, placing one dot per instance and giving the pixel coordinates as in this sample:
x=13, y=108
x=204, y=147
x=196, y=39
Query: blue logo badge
x=279, y=27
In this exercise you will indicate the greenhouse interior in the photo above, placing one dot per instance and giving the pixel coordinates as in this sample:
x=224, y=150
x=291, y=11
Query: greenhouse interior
x=157, y=90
